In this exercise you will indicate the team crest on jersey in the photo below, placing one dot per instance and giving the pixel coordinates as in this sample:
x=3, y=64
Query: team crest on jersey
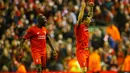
x=38, y=33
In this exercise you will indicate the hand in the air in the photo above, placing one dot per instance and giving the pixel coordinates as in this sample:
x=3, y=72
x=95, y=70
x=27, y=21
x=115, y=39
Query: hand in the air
x=83, y=3
x=91, y=4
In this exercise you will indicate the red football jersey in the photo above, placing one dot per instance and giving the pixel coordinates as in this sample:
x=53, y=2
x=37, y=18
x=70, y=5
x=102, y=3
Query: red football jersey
x=37, y=38
x=82, y=36
x=91, y=1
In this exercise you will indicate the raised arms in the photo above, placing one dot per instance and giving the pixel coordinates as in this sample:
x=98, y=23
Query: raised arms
x=90, y=14
x=87, y=20
x=81, y=13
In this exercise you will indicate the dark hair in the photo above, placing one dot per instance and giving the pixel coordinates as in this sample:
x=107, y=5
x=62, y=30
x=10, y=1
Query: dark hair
x=39, y=18
x=85, y=16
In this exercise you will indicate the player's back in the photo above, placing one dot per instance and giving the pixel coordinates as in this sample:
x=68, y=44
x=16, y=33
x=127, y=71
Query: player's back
x=82, y=35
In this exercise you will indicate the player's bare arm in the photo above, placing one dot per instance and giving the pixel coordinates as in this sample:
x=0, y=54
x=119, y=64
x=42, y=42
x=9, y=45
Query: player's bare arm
x=81, y=13
x=50, y=44
x=90, y=14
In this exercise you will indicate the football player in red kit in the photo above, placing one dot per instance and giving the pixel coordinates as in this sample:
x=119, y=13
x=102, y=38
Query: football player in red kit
x=82, y=35
x=37, y=36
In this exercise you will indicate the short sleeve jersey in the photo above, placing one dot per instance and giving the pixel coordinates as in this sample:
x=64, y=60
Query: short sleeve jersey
x=37, y=37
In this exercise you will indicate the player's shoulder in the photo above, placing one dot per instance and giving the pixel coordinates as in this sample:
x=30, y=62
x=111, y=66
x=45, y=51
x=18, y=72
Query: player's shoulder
x=31, y=28
x=81, y=25
x=44, y=28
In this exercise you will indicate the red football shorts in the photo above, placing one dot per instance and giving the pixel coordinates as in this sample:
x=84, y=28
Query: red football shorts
x=82, y=57
x=39, y=58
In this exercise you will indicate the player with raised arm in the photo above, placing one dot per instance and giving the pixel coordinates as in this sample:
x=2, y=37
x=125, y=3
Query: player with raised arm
x=82, y=36
x=37, y=36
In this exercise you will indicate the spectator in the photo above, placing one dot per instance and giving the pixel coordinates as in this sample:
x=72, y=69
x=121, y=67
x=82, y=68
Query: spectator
x=73, y=65
x=94, y=61
x=20, y=66
x=126, y=67
x=97, y=38
x=113, y=31
x=5, y=60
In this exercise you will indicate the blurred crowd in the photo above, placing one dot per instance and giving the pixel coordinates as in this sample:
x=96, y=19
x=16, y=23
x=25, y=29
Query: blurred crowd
x=109, y=40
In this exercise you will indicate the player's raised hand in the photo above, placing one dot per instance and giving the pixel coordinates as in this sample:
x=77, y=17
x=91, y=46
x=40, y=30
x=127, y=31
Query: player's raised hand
x=91, y=4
